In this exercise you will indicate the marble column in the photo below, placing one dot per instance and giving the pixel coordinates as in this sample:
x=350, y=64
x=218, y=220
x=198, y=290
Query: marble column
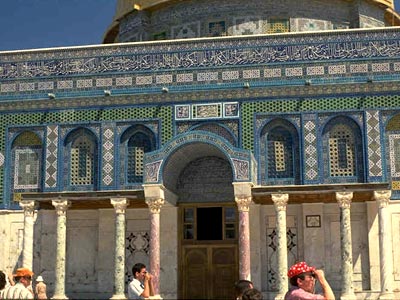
x=155, y=205
x=385, y=244
x=29, y=220
x=61, y=207
x=243, y=203
x=120, y=205
x=280, y=204
x=344, y=201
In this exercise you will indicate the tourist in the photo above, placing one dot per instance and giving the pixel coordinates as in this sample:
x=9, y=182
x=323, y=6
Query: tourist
x=40, y=289
x=240, y=286
x=252, y=294
x=302, y=278
x=3, y=281
x=141, y=286
x=22, y=288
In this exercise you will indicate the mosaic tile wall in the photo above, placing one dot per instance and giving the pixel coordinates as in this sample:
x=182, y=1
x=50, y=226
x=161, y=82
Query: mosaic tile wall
x=234, y=17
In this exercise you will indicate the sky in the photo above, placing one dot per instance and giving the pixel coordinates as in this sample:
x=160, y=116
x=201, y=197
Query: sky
x=32, y=24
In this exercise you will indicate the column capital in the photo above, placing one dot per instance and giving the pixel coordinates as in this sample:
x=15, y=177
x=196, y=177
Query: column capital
x=28, y=206
x=119, y=204
x=155, y=204
x=280, y=201
x=382, y=197
x=344, y=199
x=61, y=206
x=243, y=202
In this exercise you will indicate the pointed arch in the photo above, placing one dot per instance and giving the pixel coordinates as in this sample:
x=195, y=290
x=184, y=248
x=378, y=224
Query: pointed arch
x=342, y=151
x=279, y=153
x=392, y=137
x=26, y=153
x=81, y=160
x=217, y=129
x=135, y=142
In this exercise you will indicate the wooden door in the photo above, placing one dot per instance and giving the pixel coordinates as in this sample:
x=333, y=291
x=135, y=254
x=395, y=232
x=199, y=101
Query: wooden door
x=209, y=271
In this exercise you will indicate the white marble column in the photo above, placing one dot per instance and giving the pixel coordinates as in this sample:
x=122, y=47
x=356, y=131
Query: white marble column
x=155, y=205
x=119, y=252
x=344, y=201
x=280, y=204
x=29, y=220
x=243, y=202
x=385, y=244
x=61, y=207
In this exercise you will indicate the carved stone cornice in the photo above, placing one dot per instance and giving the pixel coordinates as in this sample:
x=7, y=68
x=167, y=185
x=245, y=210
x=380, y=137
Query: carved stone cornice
x=243, y=202
x=280, y=201
x=155, y=204
x=344, y=199
x=28, y=207
x=382, y=197
x=119, y=204
x=61, y=206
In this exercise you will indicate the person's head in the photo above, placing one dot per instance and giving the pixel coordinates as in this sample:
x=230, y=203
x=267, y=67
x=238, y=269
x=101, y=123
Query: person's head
x=3, y=280
x=252, y=294
x=302, y=276
x=24, y=276
x=242, y=285
x=39, y=279
x=139, y=271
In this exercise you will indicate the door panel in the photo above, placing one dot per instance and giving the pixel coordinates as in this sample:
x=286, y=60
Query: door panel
x=209, y=271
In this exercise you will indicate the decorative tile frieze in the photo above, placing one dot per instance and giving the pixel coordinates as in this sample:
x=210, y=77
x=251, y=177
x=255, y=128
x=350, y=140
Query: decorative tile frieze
x=162, y=79
x=207, y=76
x=84, y=83
x=143, y=80
x=104, y=82
x=185, y=77
x=358, y=68
x=274, y=72
x=45, y=85
x=290, y=72
x=123, y=81
x=249, y=74
x=336, y=69
x=65, y=84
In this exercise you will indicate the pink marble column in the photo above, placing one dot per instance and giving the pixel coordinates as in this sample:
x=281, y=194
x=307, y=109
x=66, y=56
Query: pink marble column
x=155, y=205
x=243, y=203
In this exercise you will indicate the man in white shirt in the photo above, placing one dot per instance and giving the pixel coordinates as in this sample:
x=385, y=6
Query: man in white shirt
x=141, y=286
x=22, y=289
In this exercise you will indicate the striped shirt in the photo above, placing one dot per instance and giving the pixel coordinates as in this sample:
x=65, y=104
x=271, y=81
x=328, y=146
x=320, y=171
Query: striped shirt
x=18, y=291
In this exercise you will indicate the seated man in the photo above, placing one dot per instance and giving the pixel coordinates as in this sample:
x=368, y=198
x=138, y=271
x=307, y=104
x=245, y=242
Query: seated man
x=141, y=286
x=302, y=278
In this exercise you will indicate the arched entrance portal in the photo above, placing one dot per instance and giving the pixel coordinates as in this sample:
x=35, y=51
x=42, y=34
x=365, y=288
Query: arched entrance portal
x=206, y=178
x=208, y=230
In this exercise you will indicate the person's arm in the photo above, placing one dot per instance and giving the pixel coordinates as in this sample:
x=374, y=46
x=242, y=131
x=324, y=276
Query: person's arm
x=148, y=286
x=328, y=293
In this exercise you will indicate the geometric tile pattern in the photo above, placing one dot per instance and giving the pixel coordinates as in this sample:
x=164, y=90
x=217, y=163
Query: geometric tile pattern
x=373, y=144
x=310, y=148
x=108, y=155
x=51, y=156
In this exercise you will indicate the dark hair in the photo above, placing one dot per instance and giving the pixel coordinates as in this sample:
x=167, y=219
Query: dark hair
x=2, y=280
x=252, y=294
x=302, y=276
x=137, y=268
x=241, y=286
